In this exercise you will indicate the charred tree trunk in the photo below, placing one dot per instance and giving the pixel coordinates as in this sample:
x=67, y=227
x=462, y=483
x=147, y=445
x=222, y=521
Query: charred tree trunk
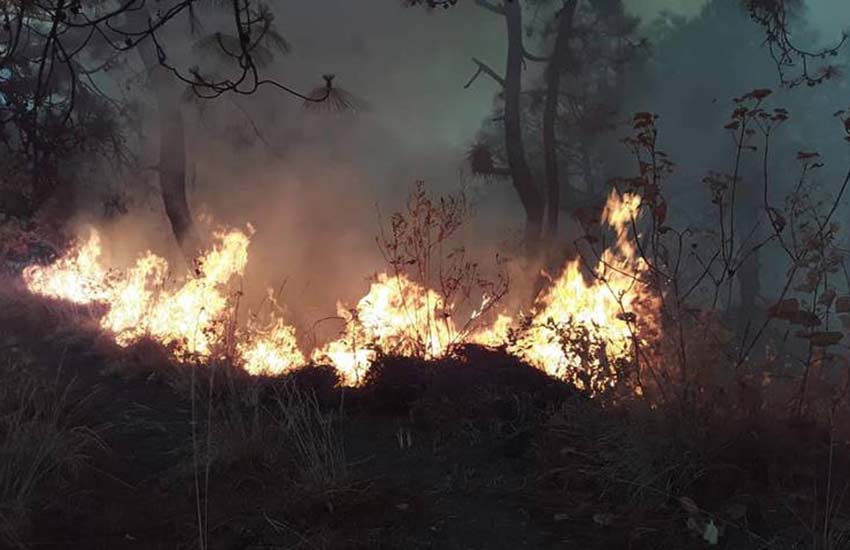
x=557, y=64
x=523, y=180
x=172, y=150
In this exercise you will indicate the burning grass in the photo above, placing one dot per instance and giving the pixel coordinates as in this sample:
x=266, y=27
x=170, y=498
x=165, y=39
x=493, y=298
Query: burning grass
x=582, y=329
x=622, y=405
x=298, y=457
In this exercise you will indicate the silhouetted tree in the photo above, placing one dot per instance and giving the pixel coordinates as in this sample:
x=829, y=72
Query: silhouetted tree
x=520, y=172
x=566, y=113
x=558, y=63
x=776, y=19
x=53, y=53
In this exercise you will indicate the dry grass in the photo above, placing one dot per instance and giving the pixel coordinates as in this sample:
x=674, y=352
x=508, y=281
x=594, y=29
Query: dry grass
x=264, y=424
x=664, y=475
x=41, y=446
x=268, y=437
x=313, y=434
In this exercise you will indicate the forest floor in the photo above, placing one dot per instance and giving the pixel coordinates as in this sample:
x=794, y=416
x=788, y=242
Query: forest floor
x=104, y=447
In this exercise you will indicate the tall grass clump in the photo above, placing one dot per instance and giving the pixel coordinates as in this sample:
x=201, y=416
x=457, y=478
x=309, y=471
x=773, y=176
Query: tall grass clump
x=42, y=446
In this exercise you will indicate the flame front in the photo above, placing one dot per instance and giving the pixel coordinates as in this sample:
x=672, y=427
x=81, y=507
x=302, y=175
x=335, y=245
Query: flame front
x=188, y=316
x=270, y=351
x=397, y=316
x=77, y=276
x=583, y=325
x=581, y=329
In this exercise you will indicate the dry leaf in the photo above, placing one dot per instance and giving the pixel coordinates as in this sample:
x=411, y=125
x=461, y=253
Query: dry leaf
x=827, y=297
x=784, y=309
x=805, y=318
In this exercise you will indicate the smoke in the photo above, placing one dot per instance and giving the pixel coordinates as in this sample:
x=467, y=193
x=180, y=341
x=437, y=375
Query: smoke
x=313, y=184
x=650, y=8
x=830, y=17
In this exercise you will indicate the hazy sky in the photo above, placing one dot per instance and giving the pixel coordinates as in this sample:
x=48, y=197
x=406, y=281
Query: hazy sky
x=829, y=16
x=408, y=64
x=411, y=66
x=655, y=6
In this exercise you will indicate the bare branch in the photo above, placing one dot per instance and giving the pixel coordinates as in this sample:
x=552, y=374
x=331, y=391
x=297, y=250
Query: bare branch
x=485, y=69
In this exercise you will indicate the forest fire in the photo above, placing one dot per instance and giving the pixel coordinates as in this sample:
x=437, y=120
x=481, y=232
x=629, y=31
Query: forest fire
x=188, y=316
x=139, y=300
x=579, y=330
x=545, y=274
x=396, y=316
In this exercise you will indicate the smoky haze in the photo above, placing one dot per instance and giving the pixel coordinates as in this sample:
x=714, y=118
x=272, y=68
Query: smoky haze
x=313, y=184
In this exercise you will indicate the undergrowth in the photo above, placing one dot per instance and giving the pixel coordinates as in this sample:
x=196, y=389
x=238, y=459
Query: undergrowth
x=42, y=447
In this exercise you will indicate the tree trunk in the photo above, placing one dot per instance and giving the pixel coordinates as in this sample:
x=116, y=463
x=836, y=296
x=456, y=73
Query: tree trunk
x=557, y=64
x=523, y=181
x=749, y=284
x=172, y=149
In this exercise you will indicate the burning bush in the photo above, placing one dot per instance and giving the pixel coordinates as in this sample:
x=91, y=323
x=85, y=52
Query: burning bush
x=424, y=308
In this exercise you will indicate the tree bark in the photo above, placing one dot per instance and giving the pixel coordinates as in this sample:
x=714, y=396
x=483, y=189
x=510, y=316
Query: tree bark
x=523, y=180
x=172, y=149
x=557, y=64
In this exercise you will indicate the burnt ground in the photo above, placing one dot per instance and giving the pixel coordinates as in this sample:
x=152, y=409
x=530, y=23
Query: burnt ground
x=477, y=452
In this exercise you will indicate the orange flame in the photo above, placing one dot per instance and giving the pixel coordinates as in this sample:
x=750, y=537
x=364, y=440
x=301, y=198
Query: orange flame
x=77, y=276
x=397, y=316
x=580, y=329
x=188, y=316
x=270, y=351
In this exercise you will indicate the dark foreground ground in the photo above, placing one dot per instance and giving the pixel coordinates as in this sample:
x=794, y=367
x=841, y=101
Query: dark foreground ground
x=479, y=452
